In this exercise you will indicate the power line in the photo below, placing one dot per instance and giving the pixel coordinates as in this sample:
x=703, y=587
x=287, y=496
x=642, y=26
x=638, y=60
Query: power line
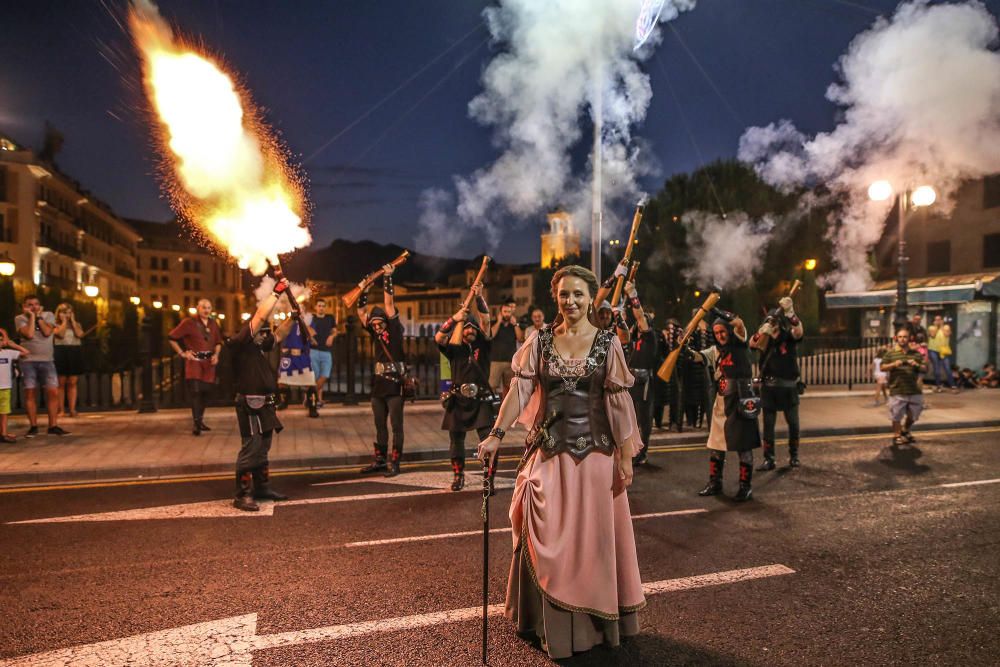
x=708, y=78
x=430, y=63
x=690, y=133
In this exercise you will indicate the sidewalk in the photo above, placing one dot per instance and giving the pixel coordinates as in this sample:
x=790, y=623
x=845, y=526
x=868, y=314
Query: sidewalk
x=127, y=445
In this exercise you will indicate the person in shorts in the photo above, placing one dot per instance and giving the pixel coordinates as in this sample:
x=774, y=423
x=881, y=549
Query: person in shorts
x=36, y=328
x=9, y=353
x=324, y=328
x=904, y=364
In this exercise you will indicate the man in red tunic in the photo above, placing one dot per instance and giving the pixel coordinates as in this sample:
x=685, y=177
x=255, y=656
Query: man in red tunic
x=202, y=341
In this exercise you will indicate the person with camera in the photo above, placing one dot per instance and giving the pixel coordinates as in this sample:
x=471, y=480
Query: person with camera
x=469, y=406
x=777, y=339
x=734, y=414
x=389, y=378
x=202, y=341
x=904, y=364
x=507, y=336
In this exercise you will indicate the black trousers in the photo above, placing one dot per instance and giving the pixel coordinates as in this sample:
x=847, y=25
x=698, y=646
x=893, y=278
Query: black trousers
x=746, y=456
x=388, y=410
x=456, y=447
x=643, y=399
x=771, y=418
x=198, y=390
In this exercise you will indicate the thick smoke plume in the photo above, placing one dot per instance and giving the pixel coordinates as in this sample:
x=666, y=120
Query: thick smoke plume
x=559, y=58
x=726, y=251
x=920, y=99
x=266, y=287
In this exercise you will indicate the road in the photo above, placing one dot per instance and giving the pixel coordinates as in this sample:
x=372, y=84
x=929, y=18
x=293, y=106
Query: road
x=846, y=560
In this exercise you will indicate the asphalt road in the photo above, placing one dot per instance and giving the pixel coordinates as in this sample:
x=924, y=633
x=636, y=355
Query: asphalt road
x=869, y=562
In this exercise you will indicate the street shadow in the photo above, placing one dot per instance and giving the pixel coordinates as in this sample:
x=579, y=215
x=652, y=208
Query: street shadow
x=649, y=649
x=903, y=459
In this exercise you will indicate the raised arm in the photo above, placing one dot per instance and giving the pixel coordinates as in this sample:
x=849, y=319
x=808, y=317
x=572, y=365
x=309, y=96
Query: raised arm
x=636, y=305
x=444, y=333
x=388, y=291
x=604, y=292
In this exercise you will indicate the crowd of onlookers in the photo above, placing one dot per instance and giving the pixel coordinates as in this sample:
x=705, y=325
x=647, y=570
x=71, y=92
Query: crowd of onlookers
x=934, y=344
x=48, y=357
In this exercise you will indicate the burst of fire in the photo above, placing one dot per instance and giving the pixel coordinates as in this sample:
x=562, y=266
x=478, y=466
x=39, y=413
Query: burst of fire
x=227, y=173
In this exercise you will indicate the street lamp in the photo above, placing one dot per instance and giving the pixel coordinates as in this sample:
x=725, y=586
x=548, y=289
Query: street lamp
x=157, y=304
x=91, y=290
x=192, y=310
x=809, y=265
x=923, y=195
x=176, y=308
x=7, y=266
x=134, y=300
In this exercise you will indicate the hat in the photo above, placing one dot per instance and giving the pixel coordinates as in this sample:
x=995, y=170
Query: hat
x=377, y=313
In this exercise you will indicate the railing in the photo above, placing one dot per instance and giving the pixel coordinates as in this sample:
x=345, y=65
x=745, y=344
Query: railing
x=46, y=241
x=838, y=360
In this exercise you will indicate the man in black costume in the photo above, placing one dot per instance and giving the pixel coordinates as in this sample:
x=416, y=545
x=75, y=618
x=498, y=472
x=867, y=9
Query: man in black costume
x=469, y=404
x=383, y=325
x=734, y=414
x=256, y=389
x=641, y=354
x=777, y=340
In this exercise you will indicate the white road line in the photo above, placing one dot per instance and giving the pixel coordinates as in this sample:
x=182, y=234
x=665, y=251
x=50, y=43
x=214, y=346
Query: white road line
x=231, y=642
x=427, y=478
x=976, y=483
x=213, y=509
x=467, y=533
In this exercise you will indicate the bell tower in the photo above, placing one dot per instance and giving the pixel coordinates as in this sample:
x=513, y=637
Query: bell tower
x=561, y=240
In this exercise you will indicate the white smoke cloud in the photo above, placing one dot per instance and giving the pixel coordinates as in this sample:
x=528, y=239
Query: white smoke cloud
x=266, y=288
x=726, y=251
x=560, y=57
x=920, y=94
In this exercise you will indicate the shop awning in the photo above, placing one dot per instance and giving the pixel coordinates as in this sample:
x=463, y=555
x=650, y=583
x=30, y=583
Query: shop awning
x=928, y=291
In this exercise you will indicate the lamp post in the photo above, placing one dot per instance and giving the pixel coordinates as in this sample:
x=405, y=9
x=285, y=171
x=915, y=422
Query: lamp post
x=921, y=196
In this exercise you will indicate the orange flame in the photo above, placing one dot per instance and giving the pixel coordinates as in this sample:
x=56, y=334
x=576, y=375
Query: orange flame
x=226, y=172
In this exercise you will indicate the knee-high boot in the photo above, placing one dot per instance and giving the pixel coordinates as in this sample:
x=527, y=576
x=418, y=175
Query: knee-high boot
x=768, y=463
x=714, y=486
x=746, y=474
x=458, y=467
x=244, y=492
x=262, y=485
x=793, y=452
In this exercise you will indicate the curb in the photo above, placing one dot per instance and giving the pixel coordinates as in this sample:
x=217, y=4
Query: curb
x=279, y=465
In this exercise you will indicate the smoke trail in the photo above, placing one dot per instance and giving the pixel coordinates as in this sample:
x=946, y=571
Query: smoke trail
x=266, y=287
x=920, y=94
x=727, y=251
x=560, y=56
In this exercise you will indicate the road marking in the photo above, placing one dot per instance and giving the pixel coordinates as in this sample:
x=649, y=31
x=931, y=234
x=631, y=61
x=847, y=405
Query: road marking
x=231, y=642
x=429, y=479
x=213, y=509
x=209, y=477
x=467, y=533
x=976, y=483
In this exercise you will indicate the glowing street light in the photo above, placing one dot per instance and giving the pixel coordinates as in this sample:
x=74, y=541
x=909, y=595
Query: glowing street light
x=810, y=265
x=221, y=316
x=91, y=290
x=157, y=304
x=176, y=308
x=192, y=310
x=880, y=191
x=244, y=316
x=923, y=196
x=134, y=300
x=7, y=265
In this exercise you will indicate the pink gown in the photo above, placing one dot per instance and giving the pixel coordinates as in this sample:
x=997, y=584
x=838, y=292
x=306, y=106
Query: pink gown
x=574, y=578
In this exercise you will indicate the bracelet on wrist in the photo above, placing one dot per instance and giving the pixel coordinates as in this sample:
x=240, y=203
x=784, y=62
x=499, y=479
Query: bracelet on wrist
x=448, y=324
x=497, y=432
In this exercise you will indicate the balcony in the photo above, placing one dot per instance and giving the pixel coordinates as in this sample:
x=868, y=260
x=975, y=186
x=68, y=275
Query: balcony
x=45, y=241
x=66, y=284
x=125, y=272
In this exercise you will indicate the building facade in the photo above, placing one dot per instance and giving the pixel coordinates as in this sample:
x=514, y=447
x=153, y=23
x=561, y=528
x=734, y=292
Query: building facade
x=953, y=270
x=62, y=237
x=562, y=240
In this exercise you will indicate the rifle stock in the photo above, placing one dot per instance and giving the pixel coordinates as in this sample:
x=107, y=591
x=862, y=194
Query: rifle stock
x=351, y=297
x=456, y=334
x=666, y=369
x=620, y=283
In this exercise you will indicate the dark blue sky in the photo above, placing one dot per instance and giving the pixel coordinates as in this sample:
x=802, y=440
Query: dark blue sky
x=318, y=66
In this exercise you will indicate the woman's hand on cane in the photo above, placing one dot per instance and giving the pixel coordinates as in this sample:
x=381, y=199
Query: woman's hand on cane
x=488, y=448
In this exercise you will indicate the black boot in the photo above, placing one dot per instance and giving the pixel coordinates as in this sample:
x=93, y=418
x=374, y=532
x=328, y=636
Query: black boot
x=393, y=466
x=378, y=465
x=458, y=467
x=714, y=486
x=793, y=453
x=745, y=492
x=262, y=486
x=202, y=426
x=196, y=430
x=244, y=493
x=768, y=463
x=311, y=404
x=283, y=393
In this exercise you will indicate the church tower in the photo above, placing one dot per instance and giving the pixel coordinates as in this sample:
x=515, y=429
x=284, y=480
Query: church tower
x=561, y=241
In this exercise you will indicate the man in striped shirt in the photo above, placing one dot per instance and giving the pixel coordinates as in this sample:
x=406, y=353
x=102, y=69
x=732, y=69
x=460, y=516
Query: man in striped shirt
x=906, y=400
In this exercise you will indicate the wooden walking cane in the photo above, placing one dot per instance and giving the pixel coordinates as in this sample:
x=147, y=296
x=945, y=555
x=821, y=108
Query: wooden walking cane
x=456, y=334
x=667, y=367
x=486, y=556
x=351, y=297
x=620, y=283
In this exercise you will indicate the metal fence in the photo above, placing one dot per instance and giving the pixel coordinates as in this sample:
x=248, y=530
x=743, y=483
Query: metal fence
x=822, y=361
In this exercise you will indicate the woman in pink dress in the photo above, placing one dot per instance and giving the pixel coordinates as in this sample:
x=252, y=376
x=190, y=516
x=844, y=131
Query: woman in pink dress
x=574, y=578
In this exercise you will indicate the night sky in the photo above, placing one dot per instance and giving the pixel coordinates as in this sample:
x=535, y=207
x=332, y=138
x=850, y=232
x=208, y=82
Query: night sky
x=316, y=67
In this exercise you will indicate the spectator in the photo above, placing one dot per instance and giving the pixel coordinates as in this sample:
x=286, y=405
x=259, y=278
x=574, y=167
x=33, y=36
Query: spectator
x=915, y=326
x=967, y=379
x=904, y=363
x=537, y=322
x=939, y=353
x=988, y=377
x=202, y=342
x=324, y=328
x=68, y=348
x=9, y=352
x=507, y=337
x=36, y=327
x=880, y=377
